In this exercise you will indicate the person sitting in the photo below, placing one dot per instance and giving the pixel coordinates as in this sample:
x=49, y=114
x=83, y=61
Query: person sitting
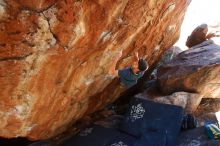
x=129, y=75
x=200, y=35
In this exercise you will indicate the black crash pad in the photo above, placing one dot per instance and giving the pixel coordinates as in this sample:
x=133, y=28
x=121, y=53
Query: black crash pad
x=152, y=138
x=144, y=116
x=100, y=136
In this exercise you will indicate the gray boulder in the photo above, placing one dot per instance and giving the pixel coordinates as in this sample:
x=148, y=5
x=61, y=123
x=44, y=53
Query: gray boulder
x=188, y=101
x=195, y=70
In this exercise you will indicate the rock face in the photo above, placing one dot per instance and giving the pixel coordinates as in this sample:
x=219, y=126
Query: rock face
x=195, y=70
x=208, y=110
x=169, y=55
x=188, y=101
x=55, y=55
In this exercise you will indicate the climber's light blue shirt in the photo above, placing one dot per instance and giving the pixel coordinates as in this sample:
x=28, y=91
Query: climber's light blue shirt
x=128, y=78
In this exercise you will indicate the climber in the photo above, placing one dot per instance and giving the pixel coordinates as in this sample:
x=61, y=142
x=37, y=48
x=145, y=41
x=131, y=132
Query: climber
x=129, y=75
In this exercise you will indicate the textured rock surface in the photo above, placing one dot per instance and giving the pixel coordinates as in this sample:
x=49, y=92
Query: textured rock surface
x=188, y=101
x=195, y=70
x=208, y=110
x=169, y=55
x=55, y=55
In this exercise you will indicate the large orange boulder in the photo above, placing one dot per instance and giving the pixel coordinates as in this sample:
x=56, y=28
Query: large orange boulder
x=55, y=56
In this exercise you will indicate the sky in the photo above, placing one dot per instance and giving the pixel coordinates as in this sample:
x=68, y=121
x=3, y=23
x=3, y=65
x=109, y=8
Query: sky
x=198, y=12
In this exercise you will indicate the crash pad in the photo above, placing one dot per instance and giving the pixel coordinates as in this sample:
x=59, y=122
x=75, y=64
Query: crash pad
x=100, y=136
x=144, y=116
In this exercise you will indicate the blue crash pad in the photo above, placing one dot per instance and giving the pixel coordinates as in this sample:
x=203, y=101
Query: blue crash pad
x=152, y=138
x=144, y=116
x=100, y=136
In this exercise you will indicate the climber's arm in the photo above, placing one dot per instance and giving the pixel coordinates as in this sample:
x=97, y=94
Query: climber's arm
x=136, y=56
x=211, y=35
x=113, y=71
